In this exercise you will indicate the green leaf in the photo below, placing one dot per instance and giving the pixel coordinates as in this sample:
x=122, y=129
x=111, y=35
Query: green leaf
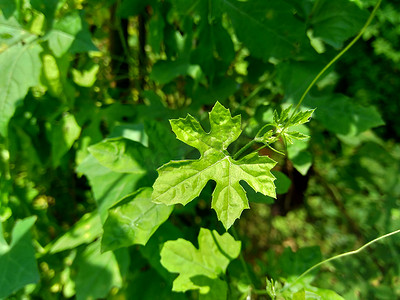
x=341, y=115
x=258, y=24
x=282, y=118
x=293, y=264
x=47, y=7
x=297, y=75
x=301, y=117
x=63, y=134
x=108, y=186
x=98, y=273
x=132, y=7
x=20, y=67
x=215, y=289
x=133, y=220
x=210, y=260
x=156, y=32
x=86, y=77
x=302, y=161
x=84, y=231
x=11, y=32
x=70, y=34
x=162, y=143
x=321, y=294
x=63, y=33
x=300, y=295
x=164, y=71
x=290, y=136
x=134, y=132
x=282, y=182
x=182, y=181
x=285, y=119
x=122, y=155
x=17, y=260
x=8, y=7
x=297, y=151
x=51, y=75
x=336, y=21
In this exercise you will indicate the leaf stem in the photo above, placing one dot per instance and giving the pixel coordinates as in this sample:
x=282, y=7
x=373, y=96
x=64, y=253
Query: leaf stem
x=252, y=142
x=245, y=147
x=343, y=255
x=355, y=39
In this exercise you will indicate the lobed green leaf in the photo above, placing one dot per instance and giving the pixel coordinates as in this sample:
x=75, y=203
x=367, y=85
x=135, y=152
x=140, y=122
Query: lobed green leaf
x=182, y=181
x=210, y=260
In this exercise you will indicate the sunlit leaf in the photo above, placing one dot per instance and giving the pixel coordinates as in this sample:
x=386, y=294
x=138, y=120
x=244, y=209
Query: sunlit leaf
x=20, y=67
x=210, y=260
x=182, y=181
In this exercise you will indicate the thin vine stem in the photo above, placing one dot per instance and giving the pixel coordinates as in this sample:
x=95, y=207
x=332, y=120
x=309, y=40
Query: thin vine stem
x=340, y=54
x=252, y=142
x=244, y=148
x=343, y=255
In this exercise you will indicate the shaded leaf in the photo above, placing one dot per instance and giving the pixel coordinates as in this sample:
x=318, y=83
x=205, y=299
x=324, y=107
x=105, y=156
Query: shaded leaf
x=47, y=7
x=282, y=182
x=302, y=161
x=122, y=155
x=97, y=274
x=258, y=24
x=165, y=71
x=336, y=21
x=84, y=231
x=8, y=7
x=17, y=260
x=182, y=181
x=340, y=114
x=132, y=7
x=133, y=220
x=210, y=260
x=62, y=135
x=107, y=186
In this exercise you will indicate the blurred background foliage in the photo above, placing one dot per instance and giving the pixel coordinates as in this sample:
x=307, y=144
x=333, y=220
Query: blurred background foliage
x=77, y=71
